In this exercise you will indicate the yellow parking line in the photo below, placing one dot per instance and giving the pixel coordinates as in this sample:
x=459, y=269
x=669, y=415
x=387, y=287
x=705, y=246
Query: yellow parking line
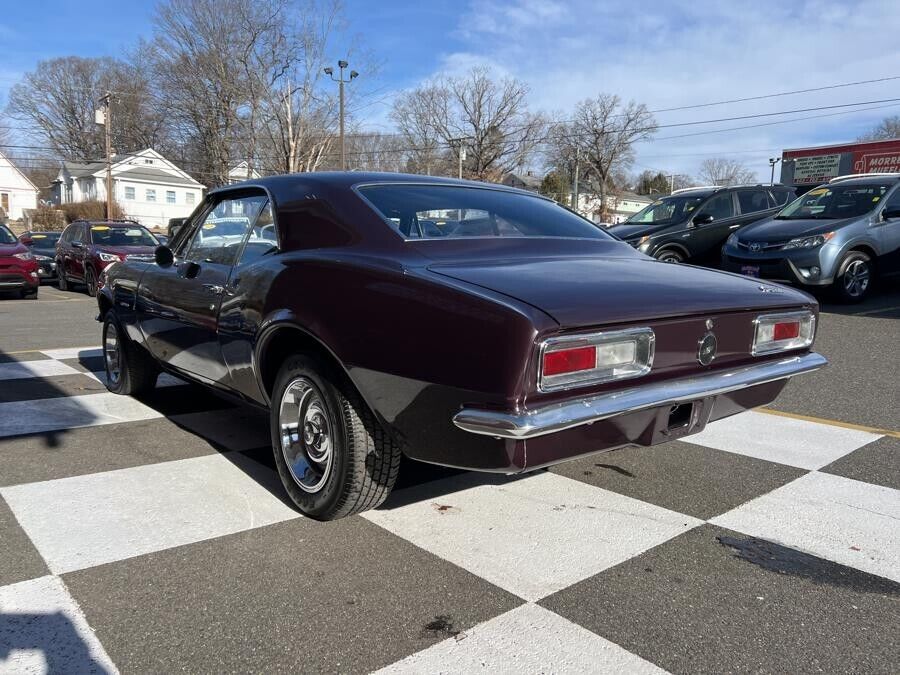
x=834, y=423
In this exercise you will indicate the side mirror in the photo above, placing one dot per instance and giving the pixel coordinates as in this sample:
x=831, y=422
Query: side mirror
x=890, y=213
x=702, y=219
x=26, y=240
x=77, y=244
x=163, y=256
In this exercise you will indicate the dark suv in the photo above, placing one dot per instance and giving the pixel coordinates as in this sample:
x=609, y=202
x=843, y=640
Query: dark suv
x=88, y=246
x=693, y=224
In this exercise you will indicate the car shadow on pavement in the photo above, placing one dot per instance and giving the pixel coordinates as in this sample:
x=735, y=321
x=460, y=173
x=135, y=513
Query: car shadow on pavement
x=53, y=635
x=883, y=303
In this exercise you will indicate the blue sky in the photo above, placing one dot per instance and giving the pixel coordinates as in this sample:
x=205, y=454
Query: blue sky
x=665, y=54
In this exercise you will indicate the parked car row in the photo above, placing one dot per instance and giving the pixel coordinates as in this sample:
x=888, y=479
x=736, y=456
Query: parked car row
x=839, y=236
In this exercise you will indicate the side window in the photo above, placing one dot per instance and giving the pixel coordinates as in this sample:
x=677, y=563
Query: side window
x=77, y=233
x=720, y=206
x=893, y=201
x=782, y=197
x=752, y=201
x=66, y=236
x=221, y=231
x=262, y=239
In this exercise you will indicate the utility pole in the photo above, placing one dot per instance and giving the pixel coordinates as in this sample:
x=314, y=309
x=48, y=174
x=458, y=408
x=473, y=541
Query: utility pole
x=461, y=151
x=772, y=162
x=671, y=183
x=341, y=82
x=575, y=194
x=106, y=100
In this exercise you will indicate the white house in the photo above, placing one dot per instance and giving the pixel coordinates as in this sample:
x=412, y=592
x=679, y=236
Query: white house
x=241, y=172
x=16, y=191
x=147, y=186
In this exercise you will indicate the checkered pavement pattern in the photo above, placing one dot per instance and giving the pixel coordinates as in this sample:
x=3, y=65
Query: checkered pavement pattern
x=153, y=535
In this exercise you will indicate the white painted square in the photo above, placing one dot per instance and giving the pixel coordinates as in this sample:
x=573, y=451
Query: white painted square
x=531, y=536
x=843, y=520
x=22, y=370
x=807, y=445
x=89, y=520
x=45, y=631
x=73, y=353
x=528, y=639
x=71, y=412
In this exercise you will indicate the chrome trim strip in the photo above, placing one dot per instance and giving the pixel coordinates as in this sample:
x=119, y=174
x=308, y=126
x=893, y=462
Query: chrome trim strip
x=556, y=417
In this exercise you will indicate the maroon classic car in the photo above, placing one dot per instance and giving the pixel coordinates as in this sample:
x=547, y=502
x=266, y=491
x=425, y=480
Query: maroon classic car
x=458, y=323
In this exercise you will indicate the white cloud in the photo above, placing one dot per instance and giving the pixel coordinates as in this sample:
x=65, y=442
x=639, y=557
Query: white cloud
x=684, y=52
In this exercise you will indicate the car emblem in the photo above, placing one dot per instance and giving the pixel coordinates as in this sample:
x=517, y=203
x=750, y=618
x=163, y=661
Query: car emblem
x=707, y=349
x=755, y=247
x=769, y=289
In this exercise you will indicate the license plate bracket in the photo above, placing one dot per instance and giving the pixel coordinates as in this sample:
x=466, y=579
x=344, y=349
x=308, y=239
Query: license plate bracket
x=750, y=271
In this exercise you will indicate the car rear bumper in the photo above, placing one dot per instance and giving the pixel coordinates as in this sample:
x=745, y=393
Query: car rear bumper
x=559, y=417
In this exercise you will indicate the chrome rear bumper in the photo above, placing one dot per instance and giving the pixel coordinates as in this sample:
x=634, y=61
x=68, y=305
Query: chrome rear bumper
x=555, y=417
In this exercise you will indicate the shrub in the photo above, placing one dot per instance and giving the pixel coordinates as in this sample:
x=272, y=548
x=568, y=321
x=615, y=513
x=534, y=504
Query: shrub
x=90, y=210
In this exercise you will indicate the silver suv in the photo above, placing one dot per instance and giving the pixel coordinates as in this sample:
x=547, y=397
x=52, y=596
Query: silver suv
x=840, y=235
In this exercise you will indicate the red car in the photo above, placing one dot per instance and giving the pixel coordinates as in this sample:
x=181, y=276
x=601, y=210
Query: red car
x=18, y=268
x=87, y=247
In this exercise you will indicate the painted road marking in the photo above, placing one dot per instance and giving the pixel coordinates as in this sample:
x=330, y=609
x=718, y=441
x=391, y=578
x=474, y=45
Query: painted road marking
x=840, y=519
x=98, y=518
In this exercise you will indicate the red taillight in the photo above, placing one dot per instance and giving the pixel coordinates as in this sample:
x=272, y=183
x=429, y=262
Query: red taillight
x=570, y=360
x=786, y=330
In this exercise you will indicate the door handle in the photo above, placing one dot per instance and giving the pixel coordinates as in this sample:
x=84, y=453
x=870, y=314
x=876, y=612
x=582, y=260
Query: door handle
x=215, y=289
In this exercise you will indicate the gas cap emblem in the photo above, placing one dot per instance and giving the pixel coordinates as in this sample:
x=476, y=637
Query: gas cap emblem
x=706, y=351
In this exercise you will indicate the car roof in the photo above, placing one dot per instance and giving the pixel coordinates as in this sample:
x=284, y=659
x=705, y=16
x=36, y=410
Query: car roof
x=348, y=179
x=866, y=180
x=109, y=223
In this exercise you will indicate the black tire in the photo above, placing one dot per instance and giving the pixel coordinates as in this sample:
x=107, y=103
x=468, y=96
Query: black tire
x=90, y=281
x=670, y=255
x=855, y=277
x=136, y=370
x=62, y=282
x=30, y=294
x=364, y=460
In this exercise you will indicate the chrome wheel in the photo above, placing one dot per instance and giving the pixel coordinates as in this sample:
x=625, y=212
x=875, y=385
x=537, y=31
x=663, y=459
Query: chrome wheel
x=856, y=278
x=306, y=436
x=112, y=354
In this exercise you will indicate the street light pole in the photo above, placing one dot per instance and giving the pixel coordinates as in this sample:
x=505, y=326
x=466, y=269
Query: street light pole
x=772, y=162
x=341, y=82
x=106, y=100
x=461, y=151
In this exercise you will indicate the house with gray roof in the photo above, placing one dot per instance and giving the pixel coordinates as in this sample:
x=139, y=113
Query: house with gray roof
x=148, y=187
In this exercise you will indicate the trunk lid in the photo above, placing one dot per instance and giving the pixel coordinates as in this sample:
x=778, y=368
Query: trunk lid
x=590, y=291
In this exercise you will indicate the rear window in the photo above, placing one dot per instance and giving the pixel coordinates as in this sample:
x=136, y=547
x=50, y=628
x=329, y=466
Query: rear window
x=450, y=211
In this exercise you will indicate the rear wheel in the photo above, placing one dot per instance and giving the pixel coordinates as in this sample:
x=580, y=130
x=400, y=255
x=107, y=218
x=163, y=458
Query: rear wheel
x=669, y=255
x=63, y=284
x=129, y=369
x=855, y=277
x=333, y=458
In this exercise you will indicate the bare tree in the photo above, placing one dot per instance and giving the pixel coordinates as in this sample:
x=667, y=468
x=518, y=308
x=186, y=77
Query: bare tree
x=725, y=171
x=603, y=132
x=56, y=102
x=887, y=129
x=420, y=119
x=489, y=118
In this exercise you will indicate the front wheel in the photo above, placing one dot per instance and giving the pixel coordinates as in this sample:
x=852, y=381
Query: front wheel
x=129, y=369
x=855, y=277
x=333, y=458
x=90, y=280
x=669, y=255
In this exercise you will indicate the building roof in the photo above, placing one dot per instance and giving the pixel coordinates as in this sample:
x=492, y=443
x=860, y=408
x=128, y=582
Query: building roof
x=137, y=171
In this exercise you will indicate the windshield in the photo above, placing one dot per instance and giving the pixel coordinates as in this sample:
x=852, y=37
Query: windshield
x=6, y=237
x=449, y=211
x=667, y=209
x=835, y=201
x=105, y=235
x=45, y=239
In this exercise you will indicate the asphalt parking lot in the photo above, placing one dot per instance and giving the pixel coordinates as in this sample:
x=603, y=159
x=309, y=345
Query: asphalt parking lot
x=152, y=535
